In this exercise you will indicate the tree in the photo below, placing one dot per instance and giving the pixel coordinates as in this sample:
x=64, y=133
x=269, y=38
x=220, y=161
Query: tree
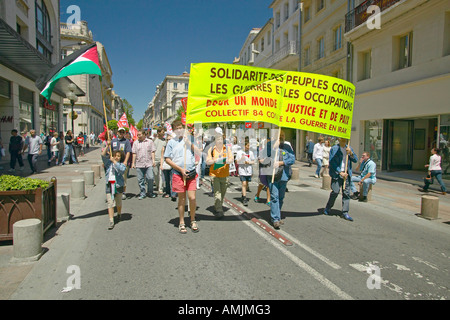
x=128, y=109
x=140, y=124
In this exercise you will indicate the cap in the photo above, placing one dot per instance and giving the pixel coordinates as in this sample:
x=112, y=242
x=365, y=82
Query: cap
x=121, y=128
x=219, y=130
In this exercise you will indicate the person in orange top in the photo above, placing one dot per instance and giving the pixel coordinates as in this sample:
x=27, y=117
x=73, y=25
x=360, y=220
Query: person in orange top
x=219, y=158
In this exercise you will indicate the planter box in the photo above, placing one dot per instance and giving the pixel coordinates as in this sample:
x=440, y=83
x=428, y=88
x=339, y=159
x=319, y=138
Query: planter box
x=19, y=205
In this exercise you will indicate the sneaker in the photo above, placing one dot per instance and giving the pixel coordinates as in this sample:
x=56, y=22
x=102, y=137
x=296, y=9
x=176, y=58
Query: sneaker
x=141, y=197
x=124, y=197
x=152, y=195
x=354, y=197
x=347, y=217
x=326, y=212
x=364, y=199
x=277, y=224
x=256, y=199
x=245, y=202
x=11, y=170
x=218, y=214
x=111, y=225
x=268, y=203
x=422, y=190
x=21, y=168
x=316, y=176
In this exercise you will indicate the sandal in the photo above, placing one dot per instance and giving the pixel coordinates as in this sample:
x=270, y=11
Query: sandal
x=166, y=195
x=194, y=226
x=182, y=228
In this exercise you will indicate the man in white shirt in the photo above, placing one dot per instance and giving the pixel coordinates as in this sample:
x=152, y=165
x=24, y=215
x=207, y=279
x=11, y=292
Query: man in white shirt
x=318, y=155
x=34, y=144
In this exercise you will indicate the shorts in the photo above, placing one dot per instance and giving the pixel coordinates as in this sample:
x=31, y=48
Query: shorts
x=178, y=184
x=263, y=180
x=246, y=178
x=116, y=202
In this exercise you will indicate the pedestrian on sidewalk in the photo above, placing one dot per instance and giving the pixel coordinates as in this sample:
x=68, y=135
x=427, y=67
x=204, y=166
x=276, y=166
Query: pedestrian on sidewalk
x=219, y=158
x=54, y=145
x=68, y=149
x=325, y=158
x=179, y=154
x=366, y=178
x=434, y=170
x=340, y=155
x=34, y=144
x=15, y=149
x=286, y=158
x=318, y=155
x=80, y=144
x=144, y=162
x=310, y=150
x=245, y=160
x=115, y=168
x=122, y=143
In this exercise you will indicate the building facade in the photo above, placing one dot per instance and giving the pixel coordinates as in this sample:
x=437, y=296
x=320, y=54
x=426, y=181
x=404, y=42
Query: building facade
x=167, y=99
x=29, y=47
x=402, y=75
x=89, y=109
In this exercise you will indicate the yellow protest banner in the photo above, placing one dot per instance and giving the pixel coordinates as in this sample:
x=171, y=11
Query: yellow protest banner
x=312, y=102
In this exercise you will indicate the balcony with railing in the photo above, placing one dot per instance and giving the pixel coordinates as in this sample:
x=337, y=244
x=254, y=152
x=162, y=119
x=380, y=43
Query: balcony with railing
x=359, y=15
x=290, y=49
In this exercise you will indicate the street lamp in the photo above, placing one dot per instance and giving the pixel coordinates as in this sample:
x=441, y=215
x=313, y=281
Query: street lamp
x=73, y=98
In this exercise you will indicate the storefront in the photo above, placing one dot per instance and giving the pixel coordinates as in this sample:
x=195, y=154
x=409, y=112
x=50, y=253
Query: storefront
x=48, y=114
x=405, y=144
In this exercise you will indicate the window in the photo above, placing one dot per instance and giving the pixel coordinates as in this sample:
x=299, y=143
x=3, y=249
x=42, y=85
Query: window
x=286, y=11
x=307, y=56
x=262, y=44
x=320, y=48
x=337, y=38
x=365, y=65
x=43, y=30
x=405, y=51
x=186, y=86
x=277, y=19
x=269, y=38
x=307, y=14
x=175, y=86
x=320, y=5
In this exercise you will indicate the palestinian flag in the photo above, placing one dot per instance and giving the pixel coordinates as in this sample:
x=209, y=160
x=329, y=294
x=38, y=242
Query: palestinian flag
x=83, y=61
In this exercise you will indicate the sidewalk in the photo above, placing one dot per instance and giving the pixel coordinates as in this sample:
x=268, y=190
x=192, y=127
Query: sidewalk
x=12, y=275
x=393, y=190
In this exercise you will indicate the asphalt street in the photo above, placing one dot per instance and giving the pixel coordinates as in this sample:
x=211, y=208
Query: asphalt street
x=387, y=252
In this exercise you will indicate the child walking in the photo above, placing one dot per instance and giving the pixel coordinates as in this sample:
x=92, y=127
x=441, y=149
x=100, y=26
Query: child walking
x=115, y=168
x=245, y=159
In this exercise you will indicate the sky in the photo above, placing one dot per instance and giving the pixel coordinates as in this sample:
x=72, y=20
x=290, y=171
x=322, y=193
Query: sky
x=146, y=40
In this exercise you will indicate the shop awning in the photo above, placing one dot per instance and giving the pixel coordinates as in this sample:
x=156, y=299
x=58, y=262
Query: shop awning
x=19, y=55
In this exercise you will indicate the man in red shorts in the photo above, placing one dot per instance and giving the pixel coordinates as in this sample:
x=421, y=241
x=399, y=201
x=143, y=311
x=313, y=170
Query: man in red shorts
x=179, y=154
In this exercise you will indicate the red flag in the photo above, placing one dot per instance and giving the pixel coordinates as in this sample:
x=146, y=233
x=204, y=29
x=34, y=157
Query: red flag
x=183, y=118
x=123, y=122
x=133, y=132
x=184, y=103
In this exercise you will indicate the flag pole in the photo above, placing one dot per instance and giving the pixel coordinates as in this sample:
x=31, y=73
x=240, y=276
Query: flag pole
x=276, y=154
x=346, y=164
x=106, y=116
x=185, y=148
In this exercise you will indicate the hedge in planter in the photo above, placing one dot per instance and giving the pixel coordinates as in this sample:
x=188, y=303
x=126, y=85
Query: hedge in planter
x=26, y=198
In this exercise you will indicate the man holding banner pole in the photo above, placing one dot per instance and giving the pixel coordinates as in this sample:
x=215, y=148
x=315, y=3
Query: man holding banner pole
x=341, y=158
x=282, y=162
